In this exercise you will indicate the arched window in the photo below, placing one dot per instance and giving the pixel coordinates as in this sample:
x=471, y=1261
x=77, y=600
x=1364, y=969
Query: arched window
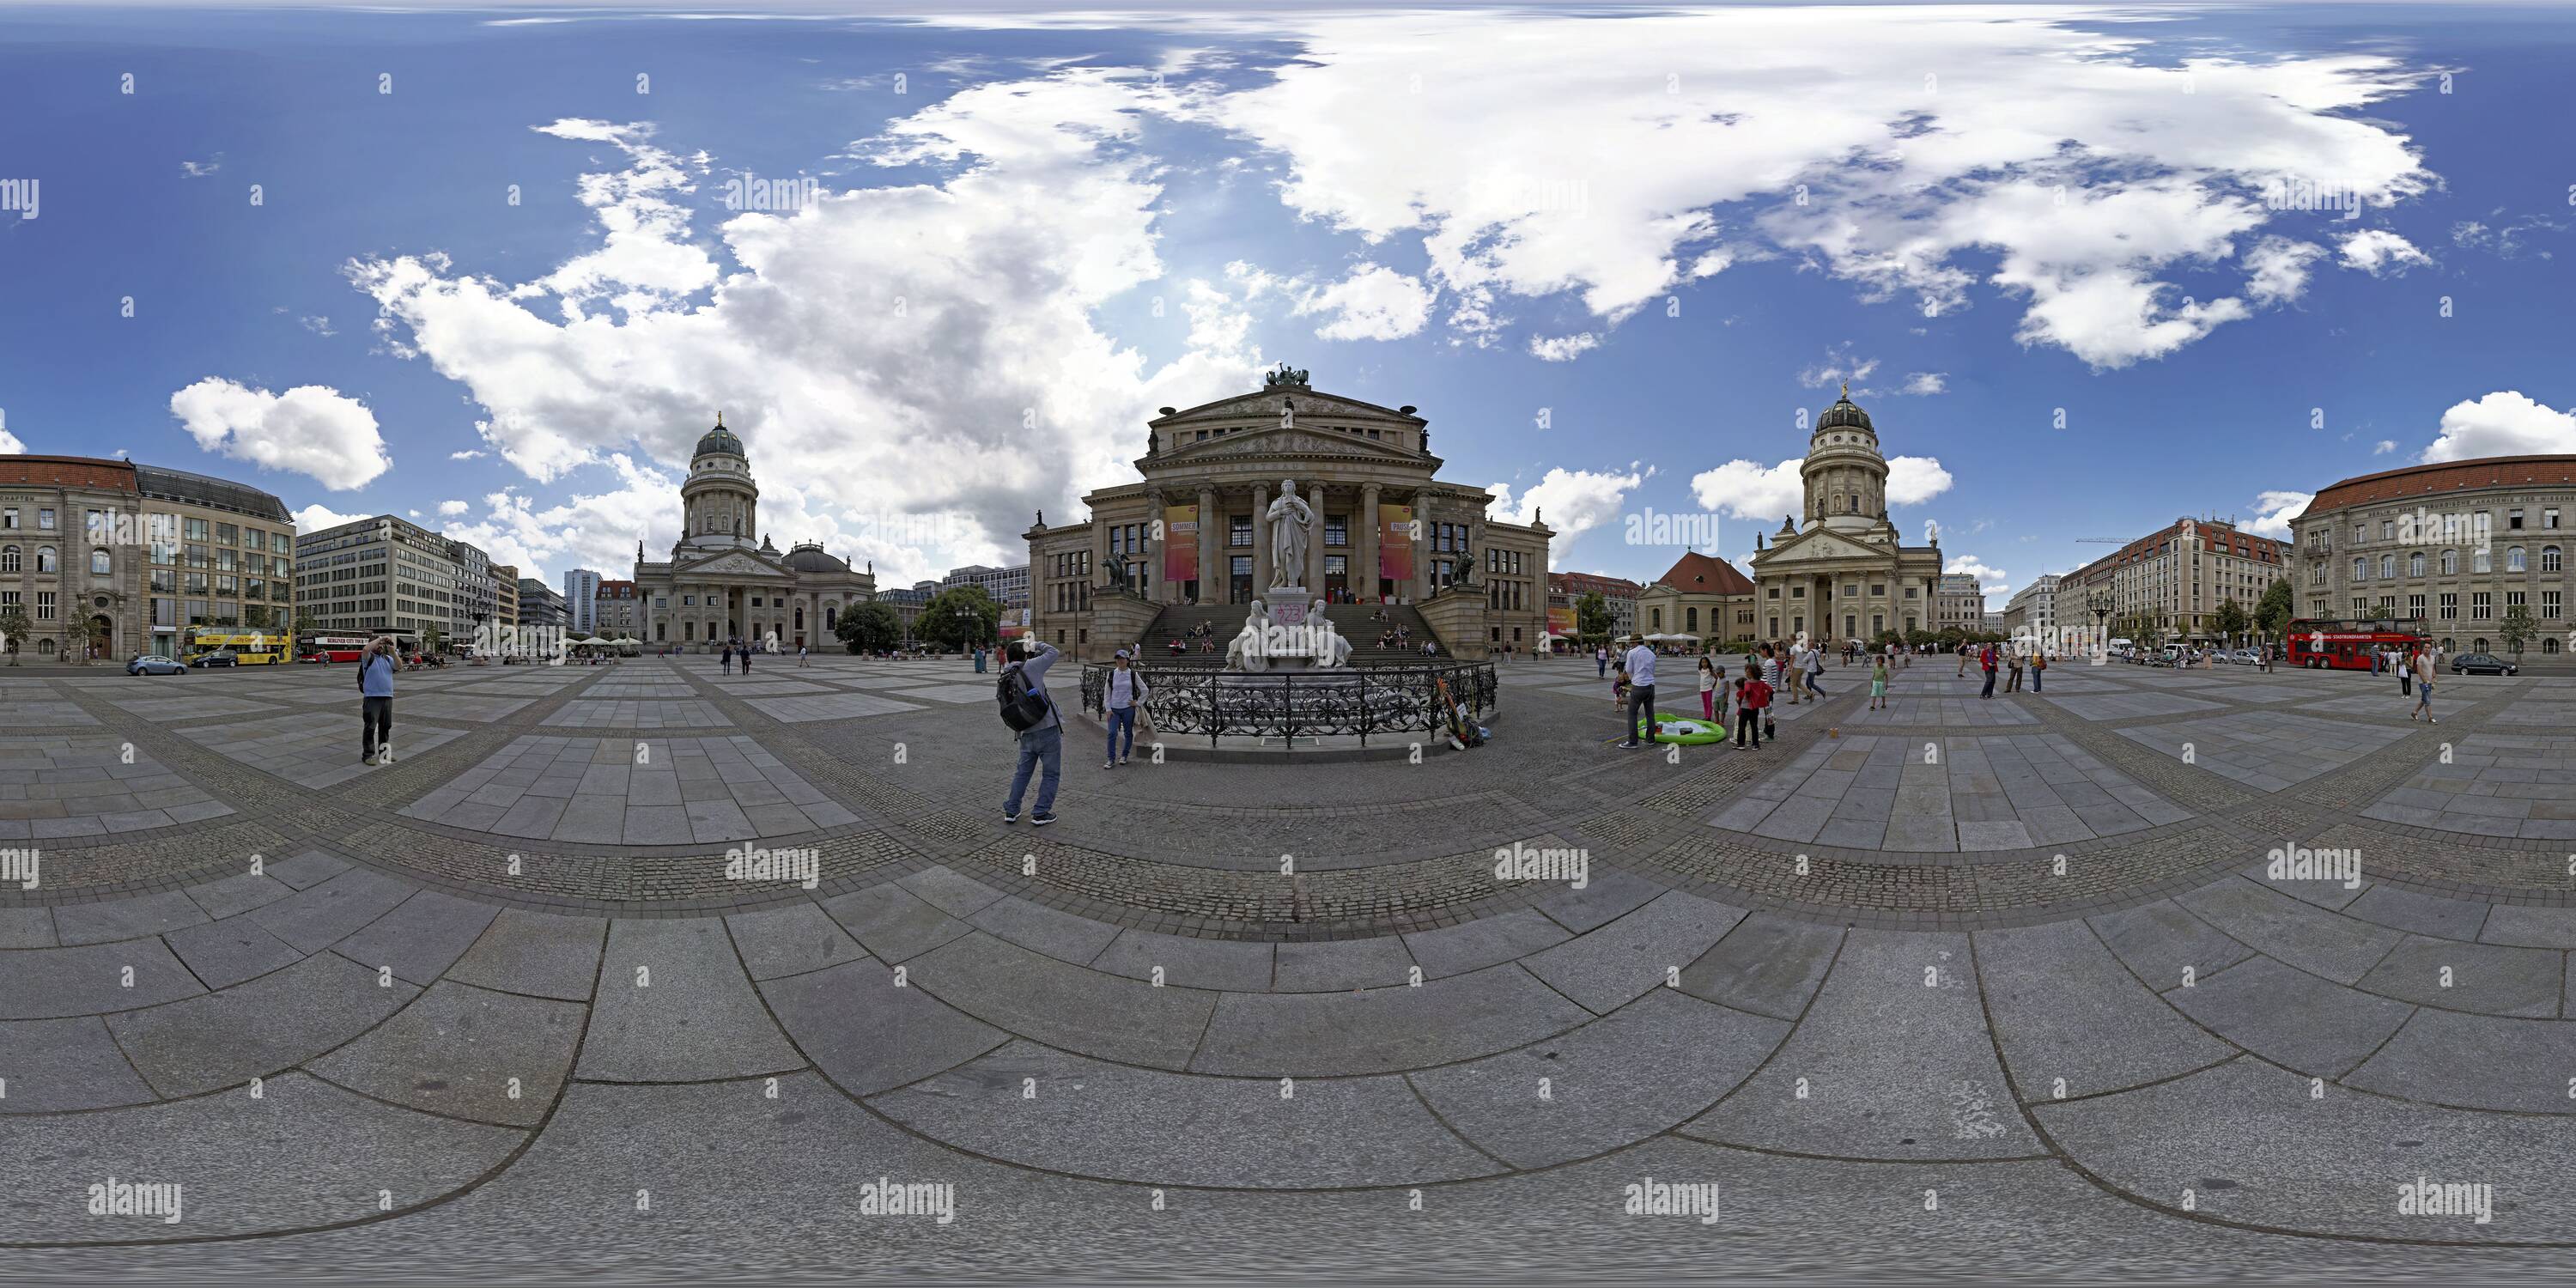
x=45, y=559
x=101, y=564
x=8, y=558
x=2549, y=559
x=2360, y=568
x=2482, y=561
x=2450, y=563
x=2478, y=645
x=2415, y=564
x=2513, y=561
x=45, y=646
x=2549, y=644
x=2387, y=566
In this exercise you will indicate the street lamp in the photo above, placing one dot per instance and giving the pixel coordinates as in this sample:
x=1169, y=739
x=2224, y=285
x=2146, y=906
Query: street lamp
x=2099, y=604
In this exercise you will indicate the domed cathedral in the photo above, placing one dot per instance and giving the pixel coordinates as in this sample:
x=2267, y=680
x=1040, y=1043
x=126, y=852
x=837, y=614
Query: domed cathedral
x=1841, y=572
x=725, y=582
x=1191, y=541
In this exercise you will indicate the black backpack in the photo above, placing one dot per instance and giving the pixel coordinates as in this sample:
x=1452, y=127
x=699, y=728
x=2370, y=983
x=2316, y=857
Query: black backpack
x=1022, y=708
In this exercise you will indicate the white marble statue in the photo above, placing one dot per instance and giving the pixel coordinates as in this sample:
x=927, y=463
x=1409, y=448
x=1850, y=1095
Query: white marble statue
x=1250, y=648
x=1292, y=521
x=1332, y=648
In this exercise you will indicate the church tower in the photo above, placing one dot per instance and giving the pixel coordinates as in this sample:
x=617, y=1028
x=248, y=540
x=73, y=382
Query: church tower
x=1844, y=475
x=720, y=505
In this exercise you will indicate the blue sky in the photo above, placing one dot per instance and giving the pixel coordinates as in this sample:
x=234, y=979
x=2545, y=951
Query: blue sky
x=1613, y=255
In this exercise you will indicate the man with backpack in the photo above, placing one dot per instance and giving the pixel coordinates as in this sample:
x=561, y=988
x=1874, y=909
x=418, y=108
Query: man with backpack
x=1031, y=713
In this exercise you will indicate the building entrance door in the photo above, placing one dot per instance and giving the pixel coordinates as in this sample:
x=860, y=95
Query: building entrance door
x=1337, y=577
x=1239, y=581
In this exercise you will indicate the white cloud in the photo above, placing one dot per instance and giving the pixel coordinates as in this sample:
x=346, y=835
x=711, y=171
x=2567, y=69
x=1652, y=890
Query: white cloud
x=2504, y=423
x=1373, y=303
x=1749, y=490
x=937, y=334
x=310, y=429
x=1913, y=480
x=453, y=508
x=200, y=169
x=1990, y=580
x=2384, y=447
x=1572, y=502
x=1926, y=383
x=9, y=444
x=2092, y=169
x=1563, y=348
x=2274, y=510
x=319, y=325
x=587, y=529
x=316, y=517
x=2379, y=252
x=468, y=454
x=2277, y=269
x=1745, y=489
x=1839, y=367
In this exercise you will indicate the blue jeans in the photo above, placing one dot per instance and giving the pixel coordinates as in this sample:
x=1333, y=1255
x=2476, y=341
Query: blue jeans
x=1038, y=747
x=1121, y=718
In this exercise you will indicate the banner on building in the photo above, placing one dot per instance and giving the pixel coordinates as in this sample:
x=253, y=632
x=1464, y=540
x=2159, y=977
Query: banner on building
x=1180, y=543
x=1560, y=621
x=1395, y=543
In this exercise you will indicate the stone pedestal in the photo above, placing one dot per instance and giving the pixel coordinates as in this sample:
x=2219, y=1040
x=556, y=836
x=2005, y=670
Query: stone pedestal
x=1458, y=618
x=1118, y=619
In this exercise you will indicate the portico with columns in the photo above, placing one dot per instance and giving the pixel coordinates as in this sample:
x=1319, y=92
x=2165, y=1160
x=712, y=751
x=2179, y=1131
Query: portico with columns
x=1368, y=473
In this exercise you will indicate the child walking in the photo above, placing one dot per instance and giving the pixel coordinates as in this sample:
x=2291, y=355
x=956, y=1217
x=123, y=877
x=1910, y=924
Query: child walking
x=1878, y=685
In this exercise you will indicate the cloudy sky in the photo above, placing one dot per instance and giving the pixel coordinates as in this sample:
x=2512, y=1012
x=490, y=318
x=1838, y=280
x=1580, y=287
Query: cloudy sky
x=494, y=268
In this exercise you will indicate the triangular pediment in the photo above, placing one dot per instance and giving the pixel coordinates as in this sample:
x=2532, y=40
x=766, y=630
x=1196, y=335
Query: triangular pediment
x=732, y=563
x=1821, y=544
x=1285, y=441
x=1269, y=403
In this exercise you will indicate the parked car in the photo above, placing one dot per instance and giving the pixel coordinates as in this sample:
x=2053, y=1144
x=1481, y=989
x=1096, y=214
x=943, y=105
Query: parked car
x=216, y=657
x=154, y=664
x=2247, y=657
x=2480, y=664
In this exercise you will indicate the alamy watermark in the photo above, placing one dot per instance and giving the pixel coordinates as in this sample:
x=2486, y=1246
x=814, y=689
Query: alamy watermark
x=1520, y=861
x=754, y=863
x=2292, y=861
x=19, y=195
x=24, y=866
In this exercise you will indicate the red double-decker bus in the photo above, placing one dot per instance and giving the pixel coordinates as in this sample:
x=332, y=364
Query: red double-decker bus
x=2347, y=645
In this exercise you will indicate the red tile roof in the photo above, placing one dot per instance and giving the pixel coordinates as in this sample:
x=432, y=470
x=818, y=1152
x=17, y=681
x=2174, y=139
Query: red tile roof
x=68, y=471
x=1696, y=573
x=2447, y=477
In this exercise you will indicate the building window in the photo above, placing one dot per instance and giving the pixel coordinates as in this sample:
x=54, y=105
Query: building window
x=2549, y=559
x=2388, y=565
x=2415, y=564
x=2513, y=559
x=2481, y=606
x=2450, y=563
x=2513, y=519
x=2360, y=568
x=2549, y=605
x=45, y=559
x=101, y=564
x=2450, y=607
x=44, y=605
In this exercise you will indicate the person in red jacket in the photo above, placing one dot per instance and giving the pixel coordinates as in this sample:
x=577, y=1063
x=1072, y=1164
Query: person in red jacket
x=1752, y=703
x=1986, y=659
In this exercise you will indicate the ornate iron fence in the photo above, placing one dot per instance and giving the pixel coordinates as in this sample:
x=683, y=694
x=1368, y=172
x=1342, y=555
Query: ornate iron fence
x=1360, y=701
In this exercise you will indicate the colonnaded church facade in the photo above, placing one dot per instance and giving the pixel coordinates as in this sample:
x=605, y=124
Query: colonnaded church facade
x=1193, y=533
x=1841, y=572
x=724, y=581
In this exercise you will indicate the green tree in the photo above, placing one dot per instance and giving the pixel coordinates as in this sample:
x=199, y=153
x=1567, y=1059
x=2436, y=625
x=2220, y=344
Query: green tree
x=433, y=641
x=868, y=627
x=959, y=617
x=1592, y=618
x=255, y=616
x=2232, y=619
x=14, y=624
x=2272, y=616
x=2517, y=628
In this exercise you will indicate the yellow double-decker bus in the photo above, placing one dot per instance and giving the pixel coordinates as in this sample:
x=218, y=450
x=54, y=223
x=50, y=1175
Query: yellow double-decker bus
x=249, y=648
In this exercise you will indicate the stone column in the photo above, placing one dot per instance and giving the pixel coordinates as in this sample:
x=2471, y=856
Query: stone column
x=1211, y=577
x=1260, y=540
x=1423, y=554
x=1100, y=555
x=1364, y=551
x=1315, y=544
x=1156, y=540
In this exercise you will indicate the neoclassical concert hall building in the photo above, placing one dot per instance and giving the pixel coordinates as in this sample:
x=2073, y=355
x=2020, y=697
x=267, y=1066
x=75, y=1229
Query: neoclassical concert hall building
x=724, y=580
x=1192, y=534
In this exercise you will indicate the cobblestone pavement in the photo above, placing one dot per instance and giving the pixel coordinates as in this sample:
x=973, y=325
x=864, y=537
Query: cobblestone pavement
x=2153, y=974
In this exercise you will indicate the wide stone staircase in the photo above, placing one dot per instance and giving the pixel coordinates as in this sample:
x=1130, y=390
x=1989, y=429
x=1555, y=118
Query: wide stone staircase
x=1177, y=621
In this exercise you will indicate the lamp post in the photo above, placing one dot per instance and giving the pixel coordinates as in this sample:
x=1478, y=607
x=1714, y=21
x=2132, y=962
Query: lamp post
x=2099, y=604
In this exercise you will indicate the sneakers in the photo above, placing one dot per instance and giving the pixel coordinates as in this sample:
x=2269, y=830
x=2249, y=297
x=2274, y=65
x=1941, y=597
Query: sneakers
x=1042, y=819
x=369, y=759
x=1123, y=759
x=1108, y=764
x=1011, y=817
